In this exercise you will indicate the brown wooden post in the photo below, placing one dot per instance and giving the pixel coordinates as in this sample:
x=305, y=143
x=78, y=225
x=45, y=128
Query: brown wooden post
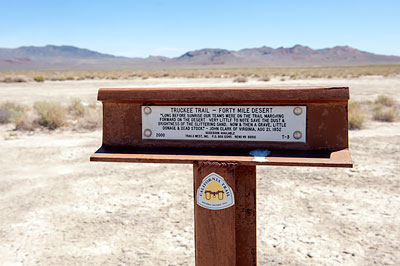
x=227, y=236
x=246, y=217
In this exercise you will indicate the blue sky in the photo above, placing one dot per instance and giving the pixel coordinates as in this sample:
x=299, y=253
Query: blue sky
x=170, y=28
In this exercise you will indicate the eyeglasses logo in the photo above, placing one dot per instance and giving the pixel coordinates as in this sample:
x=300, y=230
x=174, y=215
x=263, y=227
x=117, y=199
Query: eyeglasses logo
x=218, y=193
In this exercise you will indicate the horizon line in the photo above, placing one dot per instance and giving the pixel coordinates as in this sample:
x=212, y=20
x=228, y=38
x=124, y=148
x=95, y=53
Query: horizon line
x=190, y=50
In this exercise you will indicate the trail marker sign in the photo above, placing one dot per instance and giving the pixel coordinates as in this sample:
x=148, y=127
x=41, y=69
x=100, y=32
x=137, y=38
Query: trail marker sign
x=225, y=133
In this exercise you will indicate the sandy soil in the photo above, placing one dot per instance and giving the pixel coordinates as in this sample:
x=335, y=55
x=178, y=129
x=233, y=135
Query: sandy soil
x=58, y=208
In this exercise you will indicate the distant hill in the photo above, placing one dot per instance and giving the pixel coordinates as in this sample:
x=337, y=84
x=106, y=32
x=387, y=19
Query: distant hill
x=50, y=51
x=70, y=57
x=297, y=55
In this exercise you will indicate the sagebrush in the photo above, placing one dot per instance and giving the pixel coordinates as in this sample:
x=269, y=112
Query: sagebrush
x=51, y=114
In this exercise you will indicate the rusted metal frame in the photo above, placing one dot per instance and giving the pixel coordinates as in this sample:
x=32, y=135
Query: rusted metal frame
x=223, y=94
x=337, y=159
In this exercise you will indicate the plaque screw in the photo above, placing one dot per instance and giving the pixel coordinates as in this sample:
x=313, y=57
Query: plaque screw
x=147, y=132
x=297, y=110
x=297, y=135
x=147, y=110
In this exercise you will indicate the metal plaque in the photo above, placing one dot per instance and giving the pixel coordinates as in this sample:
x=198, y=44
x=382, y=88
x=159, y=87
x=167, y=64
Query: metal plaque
x=225, y=123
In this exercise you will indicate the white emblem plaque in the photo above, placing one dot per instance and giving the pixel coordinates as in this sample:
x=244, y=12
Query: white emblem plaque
x=225, y=123
x=214, y=193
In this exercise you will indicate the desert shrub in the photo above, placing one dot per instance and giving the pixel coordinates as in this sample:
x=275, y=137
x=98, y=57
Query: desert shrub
x=91, y=119
x=89, y=76
x=5, y=116
x=265, y=78
x=10, y=111
x=385, y=101
x=14, y=79
x=384, y=113
x=76, y=108
x=38, y=79
x=27, y=121
x=240, y=80
x=19, y=79
x=356, y=117
x=50, y=114
x=385, y=109
x=7, y=80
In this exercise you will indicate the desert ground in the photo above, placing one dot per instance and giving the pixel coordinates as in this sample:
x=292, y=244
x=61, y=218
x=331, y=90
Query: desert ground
x=57, y=208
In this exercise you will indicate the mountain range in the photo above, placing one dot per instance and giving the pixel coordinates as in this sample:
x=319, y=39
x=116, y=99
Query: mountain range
x=70, y=57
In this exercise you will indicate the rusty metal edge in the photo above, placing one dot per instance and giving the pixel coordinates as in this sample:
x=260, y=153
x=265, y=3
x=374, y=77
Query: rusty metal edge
x=341, y=158
x=241, y=94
